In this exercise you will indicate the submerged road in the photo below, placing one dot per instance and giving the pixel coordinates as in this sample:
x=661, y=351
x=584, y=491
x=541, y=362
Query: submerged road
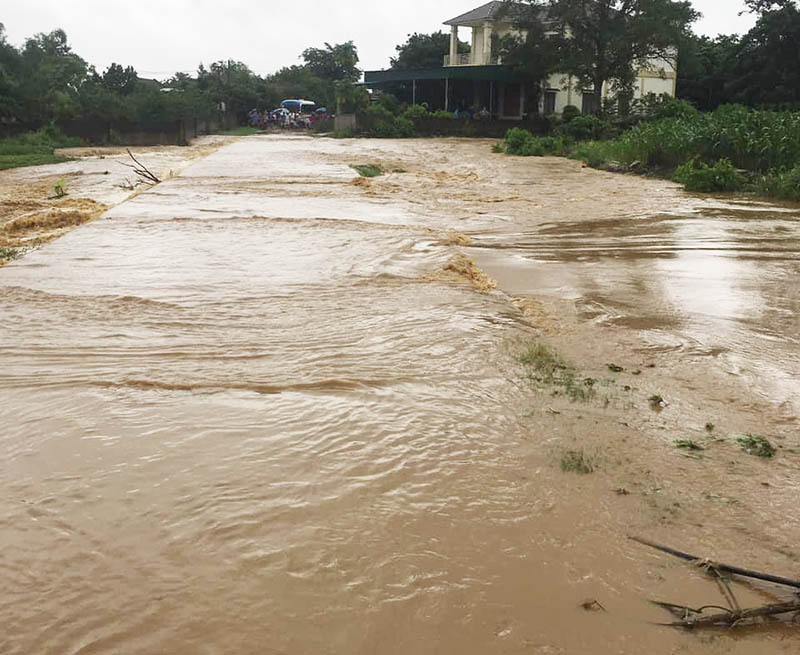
x=256, y=410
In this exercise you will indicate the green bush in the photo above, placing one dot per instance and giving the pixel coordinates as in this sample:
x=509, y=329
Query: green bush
x=390, y=103
x=570, y=112
x=522, y=142
x=448, y=115
x=415, y=112
x=584, y=127
x=516, y=138
x=378, y=112
x=780, y=184
x=394, y=128
x=699, y=176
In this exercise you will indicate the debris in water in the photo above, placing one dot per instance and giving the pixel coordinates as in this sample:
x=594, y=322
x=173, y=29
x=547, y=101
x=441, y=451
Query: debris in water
x=732, y=616
x=592, y=605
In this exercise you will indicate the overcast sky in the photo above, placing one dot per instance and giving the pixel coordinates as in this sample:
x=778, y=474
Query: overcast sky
x=161, y=37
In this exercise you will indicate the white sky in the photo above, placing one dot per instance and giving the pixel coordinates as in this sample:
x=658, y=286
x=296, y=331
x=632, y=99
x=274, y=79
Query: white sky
x=160, y=37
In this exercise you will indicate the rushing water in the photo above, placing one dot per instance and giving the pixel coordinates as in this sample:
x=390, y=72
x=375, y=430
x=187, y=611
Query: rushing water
x=240, y=415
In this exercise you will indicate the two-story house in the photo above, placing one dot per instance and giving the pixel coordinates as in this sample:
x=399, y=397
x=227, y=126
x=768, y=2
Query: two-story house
x=479, y=79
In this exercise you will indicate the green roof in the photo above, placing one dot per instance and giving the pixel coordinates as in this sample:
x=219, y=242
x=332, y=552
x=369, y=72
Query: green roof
x=487, y=73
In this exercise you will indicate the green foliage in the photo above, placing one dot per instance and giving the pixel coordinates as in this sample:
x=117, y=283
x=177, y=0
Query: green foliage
x=393, y=128
x=424, y=51
x=754, y=444
x=60, y=188
x=498, y=148
x=780, y=184
x=445, y=115
x=415, y=112
x=699, y=176
x=522, y=142
x=367, y=170
x=654, y=107
x=8, y=254
x=379, y=112
x=584, y=127
x=34, y=148
x=333, y=62
x=570, y=112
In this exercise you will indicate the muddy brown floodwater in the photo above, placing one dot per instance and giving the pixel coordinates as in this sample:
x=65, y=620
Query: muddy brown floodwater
x=271, y=407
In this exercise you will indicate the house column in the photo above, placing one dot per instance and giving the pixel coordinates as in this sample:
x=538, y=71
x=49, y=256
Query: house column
x=487, y=44
x=454, y=45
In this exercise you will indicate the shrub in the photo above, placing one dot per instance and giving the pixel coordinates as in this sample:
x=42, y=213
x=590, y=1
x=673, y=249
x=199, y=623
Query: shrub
x=584, y=127
x=523, y=143
x=784, y=185
x=415, y=112
x=447, y=115
x=570, y=112
x=394, y=128
x=699, y=176
x=390, y=103
x=378, y=112
x=516, y=138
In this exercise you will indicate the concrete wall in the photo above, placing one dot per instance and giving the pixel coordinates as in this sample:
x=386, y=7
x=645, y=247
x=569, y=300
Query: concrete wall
x=344, y=122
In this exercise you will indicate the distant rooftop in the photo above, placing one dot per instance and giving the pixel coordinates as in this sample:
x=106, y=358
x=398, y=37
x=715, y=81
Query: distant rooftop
x=489, y=11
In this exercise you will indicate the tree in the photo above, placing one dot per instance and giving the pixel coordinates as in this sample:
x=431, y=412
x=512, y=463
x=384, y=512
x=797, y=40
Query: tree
x=51, y=76
x=766, y=69
x=602, y=41
x=119, y=79
x=705, y=70
x=333, y=63
x=424, y=51
x=10, y=64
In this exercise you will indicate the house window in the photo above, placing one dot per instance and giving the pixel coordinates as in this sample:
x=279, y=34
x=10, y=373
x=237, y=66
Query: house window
x=550, y=102
x=589, y=104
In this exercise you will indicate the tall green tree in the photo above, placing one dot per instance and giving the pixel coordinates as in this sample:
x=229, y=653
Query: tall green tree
x=424, y=51
x=10, y=64
x=766, y=69
x=601, y=41
x=51, y=78
x=333, y=63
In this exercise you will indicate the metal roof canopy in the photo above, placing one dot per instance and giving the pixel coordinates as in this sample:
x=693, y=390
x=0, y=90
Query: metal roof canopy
x=479, y=73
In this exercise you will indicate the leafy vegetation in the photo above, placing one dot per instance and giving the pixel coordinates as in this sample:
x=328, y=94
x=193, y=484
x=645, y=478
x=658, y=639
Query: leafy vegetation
x=754, y=444
x=7, y=254
x=34, y=148
x=732, y=148
x=699, y=176
x=367, y=170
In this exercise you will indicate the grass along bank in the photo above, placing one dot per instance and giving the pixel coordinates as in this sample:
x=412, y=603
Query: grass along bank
x=731, y=149
x=34, y=148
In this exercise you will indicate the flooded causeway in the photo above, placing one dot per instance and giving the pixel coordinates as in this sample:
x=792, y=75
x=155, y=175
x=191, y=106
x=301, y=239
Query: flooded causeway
x=270, y=406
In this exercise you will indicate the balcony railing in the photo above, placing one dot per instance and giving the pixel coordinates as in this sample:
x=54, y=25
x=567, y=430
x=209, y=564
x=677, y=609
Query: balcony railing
x=471, y=59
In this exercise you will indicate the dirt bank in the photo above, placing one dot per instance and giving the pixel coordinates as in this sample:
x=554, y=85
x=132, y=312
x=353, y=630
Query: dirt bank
x=33, y=211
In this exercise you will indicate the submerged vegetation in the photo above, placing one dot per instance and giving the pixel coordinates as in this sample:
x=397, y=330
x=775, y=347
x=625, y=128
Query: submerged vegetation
x=8, y=254
x=545, y=367
x=576, y=461
x=367, y=170
x=754, y=444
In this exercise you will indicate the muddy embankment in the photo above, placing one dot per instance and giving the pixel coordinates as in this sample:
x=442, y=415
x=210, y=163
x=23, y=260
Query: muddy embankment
x=272, y=406
x=33, y=211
